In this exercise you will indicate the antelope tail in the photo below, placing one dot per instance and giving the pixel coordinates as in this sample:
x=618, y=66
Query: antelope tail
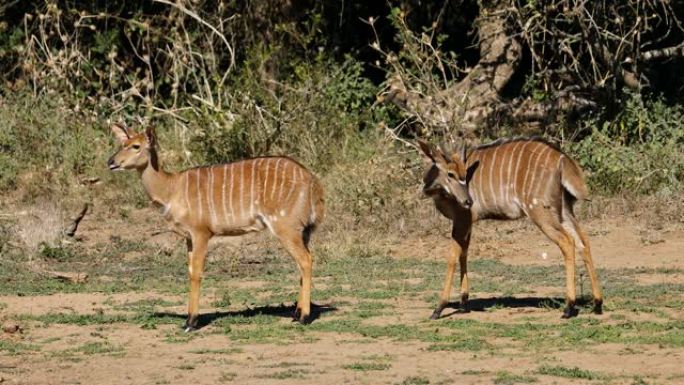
x=572, y=179
x=317, y=198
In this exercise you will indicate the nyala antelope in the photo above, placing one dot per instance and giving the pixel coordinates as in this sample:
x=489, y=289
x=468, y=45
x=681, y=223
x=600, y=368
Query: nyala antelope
x=229, y=199
x=509, y=179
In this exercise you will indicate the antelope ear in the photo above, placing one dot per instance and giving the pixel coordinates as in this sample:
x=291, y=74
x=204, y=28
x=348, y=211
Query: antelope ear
x=471, y=170
x=120, y=132
x=427, y=151
x=151, y=137
x=464, y=153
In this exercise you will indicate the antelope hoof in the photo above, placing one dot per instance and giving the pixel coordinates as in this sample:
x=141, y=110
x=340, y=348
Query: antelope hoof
x=598, y=306
x=305, y=319
x=463, y=306
x=569, y=312
x=437, y=313
x=300, y=317
x=191, y=323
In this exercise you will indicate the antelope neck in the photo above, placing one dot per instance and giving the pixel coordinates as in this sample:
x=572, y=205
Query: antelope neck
x=157, y=183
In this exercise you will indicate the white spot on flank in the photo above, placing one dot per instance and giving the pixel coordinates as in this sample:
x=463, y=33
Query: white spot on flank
x=531, y=205
x=282, y=213
x=534, y=201
x=544, y=255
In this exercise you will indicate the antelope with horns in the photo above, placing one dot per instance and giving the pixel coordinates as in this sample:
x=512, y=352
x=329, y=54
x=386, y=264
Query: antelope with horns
x=509, y=179
x=229, y=199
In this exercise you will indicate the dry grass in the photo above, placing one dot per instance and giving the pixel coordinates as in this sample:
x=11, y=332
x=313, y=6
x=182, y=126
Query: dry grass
x=40, y=224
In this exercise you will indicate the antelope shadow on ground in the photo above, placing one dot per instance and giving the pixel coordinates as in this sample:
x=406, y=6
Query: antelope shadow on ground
x=482, y=304
x=285, y=311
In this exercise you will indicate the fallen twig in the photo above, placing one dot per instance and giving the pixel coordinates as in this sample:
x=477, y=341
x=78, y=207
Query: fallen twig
x=67, y=276
x=71, y=229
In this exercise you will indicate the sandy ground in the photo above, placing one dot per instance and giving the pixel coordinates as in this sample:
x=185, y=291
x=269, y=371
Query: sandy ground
x=149, y=359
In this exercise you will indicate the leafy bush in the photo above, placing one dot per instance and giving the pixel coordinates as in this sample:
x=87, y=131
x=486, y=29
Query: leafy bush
x=318, y=115
x=46, y=144
x=640, y=152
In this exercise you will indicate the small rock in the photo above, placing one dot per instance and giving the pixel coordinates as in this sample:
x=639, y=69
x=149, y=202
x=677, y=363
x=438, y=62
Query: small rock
x=11, y=327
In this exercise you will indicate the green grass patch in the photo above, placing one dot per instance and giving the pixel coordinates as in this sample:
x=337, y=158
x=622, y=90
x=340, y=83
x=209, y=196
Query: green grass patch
x=466, y=344
x=15, y=348
x=285, y=374
x=367, y=366
x=561, y=371
x=508, y=378
x=415, y=380
x=97, y=348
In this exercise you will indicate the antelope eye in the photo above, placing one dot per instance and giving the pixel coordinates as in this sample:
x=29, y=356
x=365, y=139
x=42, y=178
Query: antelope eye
x=135, y=147
x=451, y=175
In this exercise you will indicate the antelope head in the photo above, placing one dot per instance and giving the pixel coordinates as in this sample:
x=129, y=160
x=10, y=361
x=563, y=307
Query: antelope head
x=136, y=152
x=446, y=175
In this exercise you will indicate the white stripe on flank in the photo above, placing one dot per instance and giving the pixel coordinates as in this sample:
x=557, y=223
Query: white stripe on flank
x=535, y=172
x=491, y=175
x=210, y=198
x=232, y=191
x=477, y=192
x=294, y=175
x=199, y=193
x=268, y=169
x=251, y=188
x=542, y=170
x=275, y=177
x=292, y=183
x=282, y=182
x=524, y=186
x=508, y=180
x=521, y=151
x=242, y=188
x=223, y=195
x=500, y=182
x=187, y=189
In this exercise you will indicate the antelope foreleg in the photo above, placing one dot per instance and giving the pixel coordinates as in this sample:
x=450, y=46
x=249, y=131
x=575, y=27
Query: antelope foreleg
x=452, y=257
x=196, y=256
x=463, y=262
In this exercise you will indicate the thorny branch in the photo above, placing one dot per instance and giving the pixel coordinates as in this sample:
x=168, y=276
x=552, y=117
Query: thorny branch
x=583, y=53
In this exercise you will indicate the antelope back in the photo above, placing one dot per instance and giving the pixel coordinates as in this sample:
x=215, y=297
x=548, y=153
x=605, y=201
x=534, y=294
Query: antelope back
x=518, y=174
x=230, y=197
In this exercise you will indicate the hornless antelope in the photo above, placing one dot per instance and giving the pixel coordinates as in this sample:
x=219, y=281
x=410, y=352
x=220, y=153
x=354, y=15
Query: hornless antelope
x=509, y=179
x=229, y=199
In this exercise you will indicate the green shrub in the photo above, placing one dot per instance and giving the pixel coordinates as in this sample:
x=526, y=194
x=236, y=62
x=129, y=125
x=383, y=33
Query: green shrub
x=640, y=152
x=318, y=115
x=43, y=136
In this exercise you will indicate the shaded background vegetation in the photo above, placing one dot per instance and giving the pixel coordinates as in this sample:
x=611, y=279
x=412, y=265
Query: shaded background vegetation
x=338, y=85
